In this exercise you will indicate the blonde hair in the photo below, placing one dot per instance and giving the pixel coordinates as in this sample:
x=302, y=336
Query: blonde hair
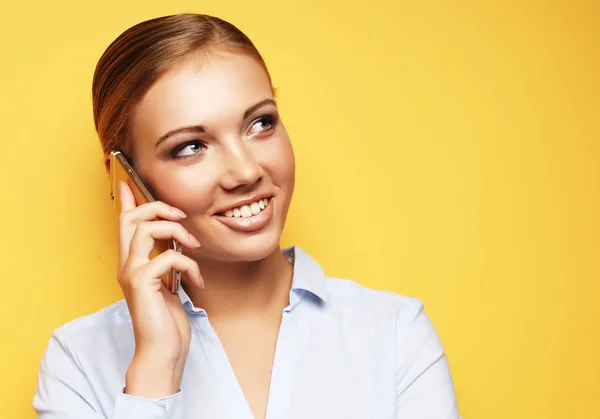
x=142, y=54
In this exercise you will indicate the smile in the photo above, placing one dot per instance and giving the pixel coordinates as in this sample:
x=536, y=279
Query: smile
x=248, y=218
x=246, y=211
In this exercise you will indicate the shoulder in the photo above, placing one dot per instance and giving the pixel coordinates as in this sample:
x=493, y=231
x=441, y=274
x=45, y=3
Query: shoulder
x=393, y=321
x=351, y=294
x=96, y=330
x=114, y=315
x=402, y=316
x=86, y=358
x=376, y=311
x=348, y=299
x=399, y=317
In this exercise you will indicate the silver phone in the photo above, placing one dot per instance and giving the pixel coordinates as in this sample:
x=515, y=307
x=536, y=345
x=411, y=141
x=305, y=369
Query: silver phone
x=121, y=170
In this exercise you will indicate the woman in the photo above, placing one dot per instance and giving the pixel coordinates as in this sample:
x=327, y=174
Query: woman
x=261, y=332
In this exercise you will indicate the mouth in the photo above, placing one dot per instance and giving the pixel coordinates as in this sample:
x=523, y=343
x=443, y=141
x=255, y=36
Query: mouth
x=250, y=217
x=247, y=210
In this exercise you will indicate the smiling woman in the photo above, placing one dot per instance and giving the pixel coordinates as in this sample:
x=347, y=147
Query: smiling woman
x=256, y=330
x=220, y=147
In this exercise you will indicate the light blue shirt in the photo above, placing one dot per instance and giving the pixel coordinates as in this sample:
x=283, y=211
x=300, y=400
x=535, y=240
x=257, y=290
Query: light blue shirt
x=343, y=351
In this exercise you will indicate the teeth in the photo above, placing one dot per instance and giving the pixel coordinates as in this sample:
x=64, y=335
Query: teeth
x=255, y=208
x=246, y=211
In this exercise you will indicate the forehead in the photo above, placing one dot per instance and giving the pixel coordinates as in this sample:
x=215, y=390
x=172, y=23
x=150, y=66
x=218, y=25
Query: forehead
x=205, y=89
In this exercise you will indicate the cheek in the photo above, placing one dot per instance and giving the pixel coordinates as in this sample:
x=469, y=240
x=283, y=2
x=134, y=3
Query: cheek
x=280, y=164
x=185, y=188
x=192, y=188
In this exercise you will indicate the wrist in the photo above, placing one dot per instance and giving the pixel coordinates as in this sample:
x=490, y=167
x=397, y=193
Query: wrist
x=151, y=379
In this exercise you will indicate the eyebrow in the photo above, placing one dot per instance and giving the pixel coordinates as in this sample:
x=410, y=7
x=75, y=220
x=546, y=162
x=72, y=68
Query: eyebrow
x=200, y=128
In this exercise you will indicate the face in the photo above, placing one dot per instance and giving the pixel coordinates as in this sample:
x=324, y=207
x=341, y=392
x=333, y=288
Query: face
x=207, y=139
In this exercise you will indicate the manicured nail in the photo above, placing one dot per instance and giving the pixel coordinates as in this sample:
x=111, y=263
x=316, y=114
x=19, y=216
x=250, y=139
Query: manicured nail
x=194, y=241
x=178, y=212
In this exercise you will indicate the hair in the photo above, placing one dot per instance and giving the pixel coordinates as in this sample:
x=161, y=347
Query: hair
x=142, y=54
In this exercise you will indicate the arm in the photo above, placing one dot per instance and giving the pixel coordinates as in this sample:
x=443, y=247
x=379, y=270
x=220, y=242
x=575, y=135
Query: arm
x=424, y=383
x=64, y=392
x=161, y=327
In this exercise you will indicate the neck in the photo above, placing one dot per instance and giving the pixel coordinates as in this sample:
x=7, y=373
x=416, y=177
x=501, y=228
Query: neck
x=243, y=288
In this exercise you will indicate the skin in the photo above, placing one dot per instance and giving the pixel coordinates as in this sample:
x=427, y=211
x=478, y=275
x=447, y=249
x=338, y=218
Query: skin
x=245, y=279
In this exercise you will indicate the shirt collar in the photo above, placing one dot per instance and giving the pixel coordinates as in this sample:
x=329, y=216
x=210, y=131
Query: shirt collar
x=308, y=277
x=308, y=274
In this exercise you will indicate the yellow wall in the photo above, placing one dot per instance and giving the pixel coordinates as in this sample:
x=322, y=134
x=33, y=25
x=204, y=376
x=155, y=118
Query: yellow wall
x=446, y=150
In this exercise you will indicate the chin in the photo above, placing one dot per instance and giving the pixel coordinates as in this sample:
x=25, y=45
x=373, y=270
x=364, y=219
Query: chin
x=244, y=247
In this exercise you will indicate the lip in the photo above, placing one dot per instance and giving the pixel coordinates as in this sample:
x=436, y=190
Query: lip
x=246, y=201
x=249, y=224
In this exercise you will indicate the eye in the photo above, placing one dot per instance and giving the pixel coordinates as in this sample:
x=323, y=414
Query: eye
x=188, y=149
x=263, y=123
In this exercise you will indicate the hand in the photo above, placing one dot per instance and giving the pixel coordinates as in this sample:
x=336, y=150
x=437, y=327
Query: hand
x=160, y=324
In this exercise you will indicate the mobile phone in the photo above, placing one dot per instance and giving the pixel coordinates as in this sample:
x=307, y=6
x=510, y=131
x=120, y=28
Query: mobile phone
x=121, y=170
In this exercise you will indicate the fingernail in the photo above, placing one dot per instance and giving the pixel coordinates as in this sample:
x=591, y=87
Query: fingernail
x=178, y=212
x=194, y=241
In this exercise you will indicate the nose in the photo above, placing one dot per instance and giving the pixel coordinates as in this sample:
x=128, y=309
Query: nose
x=241, y=167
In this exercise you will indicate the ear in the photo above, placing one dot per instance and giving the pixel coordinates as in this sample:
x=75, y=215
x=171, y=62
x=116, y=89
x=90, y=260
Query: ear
x=107, y=163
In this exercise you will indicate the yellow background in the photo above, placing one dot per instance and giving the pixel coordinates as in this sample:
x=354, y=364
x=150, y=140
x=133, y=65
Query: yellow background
x=446, y=150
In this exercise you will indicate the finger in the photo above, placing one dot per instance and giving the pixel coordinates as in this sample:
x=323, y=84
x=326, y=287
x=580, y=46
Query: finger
x=151, y=211
x=146, y=234
x=126, y=196
x=125, y=230
x=129, y=220
x=166, y=261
